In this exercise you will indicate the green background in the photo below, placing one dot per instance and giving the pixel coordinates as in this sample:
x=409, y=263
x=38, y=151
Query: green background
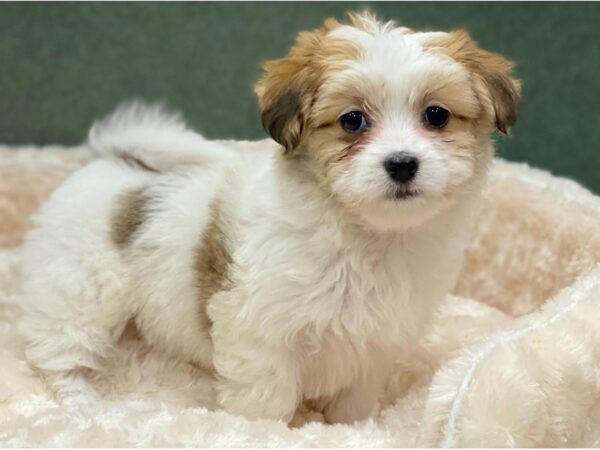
x=64, y=64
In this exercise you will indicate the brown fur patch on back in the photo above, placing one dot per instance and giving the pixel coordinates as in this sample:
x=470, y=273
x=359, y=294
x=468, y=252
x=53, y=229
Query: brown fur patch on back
x=128, y=216
x=212, y=261
x=492, y=69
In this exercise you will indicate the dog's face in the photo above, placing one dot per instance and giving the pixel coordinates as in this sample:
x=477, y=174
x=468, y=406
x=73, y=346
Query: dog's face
x=394, y=124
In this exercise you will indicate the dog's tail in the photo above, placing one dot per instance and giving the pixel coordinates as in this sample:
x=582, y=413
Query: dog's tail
x=147, y=136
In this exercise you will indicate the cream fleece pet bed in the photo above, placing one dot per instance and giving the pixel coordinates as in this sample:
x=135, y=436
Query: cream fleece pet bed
x=518, y=366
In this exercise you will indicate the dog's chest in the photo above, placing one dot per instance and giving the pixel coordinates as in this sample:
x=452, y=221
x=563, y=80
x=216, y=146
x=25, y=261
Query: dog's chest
x=367, y=307
x=359, y=308
x=345, y=305
x=369, y=288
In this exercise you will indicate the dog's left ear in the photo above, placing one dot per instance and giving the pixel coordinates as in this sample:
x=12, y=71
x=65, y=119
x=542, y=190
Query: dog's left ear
x=492, y=72
x=287, y=87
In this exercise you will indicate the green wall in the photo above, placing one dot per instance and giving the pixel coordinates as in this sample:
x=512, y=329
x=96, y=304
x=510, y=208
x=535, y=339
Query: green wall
x=65, y=64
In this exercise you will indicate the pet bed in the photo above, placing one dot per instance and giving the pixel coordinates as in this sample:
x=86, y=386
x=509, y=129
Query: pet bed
x=512, y=359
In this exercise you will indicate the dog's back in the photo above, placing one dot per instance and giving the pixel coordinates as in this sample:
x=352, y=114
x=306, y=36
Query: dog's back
x=80, y=286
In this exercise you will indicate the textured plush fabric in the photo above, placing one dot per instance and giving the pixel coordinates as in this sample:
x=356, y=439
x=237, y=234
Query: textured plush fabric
x=513, y=358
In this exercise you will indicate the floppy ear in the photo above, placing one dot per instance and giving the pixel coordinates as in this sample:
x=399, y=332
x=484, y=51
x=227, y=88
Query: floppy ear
x=492, y=71
x=287, y=87
x=282, y=95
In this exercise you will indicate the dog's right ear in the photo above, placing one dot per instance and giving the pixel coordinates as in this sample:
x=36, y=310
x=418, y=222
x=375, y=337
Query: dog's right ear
x=287, y=87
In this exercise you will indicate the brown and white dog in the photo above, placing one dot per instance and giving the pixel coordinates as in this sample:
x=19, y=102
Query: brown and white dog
x=298, y=269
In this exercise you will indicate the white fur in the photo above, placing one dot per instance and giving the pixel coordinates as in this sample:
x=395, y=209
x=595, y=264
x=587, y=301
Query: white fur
x=321, y=303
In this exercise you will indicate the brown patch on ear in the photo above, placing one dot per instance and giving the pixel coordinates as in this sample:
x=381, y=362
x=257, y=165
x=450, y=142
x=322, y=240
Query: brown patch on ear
x=288, y=85
x=128, y=216
x=212, y=261
x=283, y=118
x=491, y=69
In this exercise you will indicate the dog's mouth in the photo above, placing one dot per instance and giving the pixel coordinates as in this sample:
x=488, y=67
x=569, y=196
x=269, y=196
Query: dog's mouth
x=402, y=194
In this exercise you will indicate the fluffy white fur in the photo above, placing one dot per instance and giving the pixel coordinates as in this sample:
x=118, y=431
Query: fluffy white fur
x=327, y=287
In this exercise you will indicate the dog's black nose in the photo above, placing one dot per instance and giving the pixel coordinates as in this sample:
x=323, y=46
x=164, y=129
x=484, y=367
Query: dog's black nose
x=401, y=167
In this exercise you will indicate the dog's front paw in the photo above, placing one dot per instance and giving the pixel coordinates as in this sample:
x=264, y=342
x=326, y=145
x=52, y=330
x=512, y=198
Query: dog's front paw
x=304, y=415
x=263, y=399
x=351, y=405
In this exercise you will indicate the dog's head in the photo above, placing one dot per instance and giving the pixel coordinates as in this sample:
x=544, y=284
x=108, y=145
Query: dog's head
x=393, y=123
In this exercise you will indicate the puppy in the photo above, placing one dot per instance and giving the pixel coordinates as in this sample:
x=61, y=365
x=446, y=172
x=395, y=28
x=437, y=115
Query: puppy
x=296, y=269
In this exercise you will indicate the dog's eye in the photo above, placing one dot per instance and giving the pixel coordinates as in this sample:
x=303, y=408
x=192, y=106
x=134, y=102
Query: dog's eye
x=436, y=116
x=353, y=122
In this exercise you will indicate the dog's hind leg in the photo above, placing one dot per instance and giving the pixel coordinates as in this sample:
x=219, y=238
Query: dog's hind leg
x=66, y=342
